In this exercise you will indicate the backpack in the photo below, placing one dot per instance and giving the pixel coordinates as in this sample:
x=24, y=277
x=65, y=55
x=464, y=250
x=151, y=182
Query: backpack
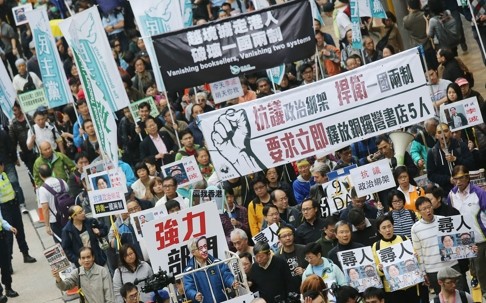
x=63, y=202
x=450, y=33
x=462, y=294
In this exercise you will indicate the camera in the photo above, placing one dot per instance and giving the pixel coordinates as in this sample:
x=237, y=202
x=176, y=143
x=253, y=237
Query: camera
x=156, y=282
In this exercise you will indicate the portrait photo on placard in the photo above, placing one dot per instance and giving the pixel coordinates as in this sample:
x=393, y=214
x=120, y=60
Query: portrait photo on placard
x=100, y=181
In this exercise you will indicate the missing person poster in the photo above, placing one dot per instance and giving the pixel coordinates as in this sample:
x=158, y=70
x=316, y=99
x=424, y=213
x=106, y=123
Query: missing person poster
x=456, y=238
x=461, y=114
x=56, y=258
x=359, y=268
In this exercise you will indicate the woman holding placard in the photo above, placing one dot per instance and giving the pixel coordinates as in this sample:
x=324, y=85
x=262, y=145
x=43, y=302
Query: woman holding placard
x=388, y=238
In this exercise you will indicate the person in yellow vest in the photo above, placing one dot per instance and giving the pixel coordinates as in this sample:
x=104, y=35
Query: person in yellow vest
x=5, y=260
x=10, y=207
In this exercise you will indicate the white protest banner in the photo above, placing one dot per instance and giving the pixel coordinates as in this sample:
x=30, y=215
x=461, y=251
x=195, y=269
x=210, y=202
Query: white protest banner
x=98, y=166
x=400, y=265
x=461, y=114
x=107, y=202
x=167, y=237
x=364, y=8
x=86, y=36
x=156, y=17
x=359, y=268
x=225, y=90
x=372, y=178
x=247, y=298
x=104, y=93
x=269, y=235
x=320, y=117
x=216, y=196
x=112, y=178
x=7, y=92
x=30, y=101
x=51, y=68
x=154, y=112
x=139, y=218
x=456, y=238
x=337, y=195
x=56, y=258
x=185, y=171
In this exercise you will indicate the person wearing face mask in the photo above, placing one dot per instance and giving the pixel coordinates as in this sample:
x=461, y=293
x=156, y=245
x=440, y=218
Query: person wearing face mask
x=388, y=238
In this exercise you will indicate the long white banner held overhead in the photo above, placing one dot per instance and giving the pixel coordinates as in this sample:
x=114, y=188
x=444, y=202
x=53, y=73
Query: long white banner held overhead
x=156, y=17
x=318, y=118
x=85, y=34
x=56, y=86
x=7, y=92
x=88, y=39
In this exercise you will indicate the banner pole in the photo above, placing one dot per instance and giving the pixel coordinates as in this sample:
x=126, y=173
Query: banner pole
x=172, y=118
x=437, y=113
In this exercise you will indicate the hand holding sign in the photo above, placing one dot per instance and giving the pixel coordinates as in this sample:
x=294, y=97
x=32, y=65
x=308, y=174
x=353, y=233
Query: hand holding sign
x=231, y=137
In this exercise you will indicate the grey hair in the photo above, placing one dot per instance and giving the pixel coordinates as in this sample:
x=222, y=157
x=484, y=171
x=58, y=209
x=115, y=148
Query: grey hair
x=340, y=224
x=321, y=168
x=261, y=246
x=238, y=232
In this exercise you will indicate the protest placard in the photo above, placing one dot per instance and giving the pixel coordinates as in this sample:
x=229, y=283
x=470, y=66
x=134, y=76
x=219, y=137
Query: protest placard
x=400, y=265
x=7, y=92
x=106, y=202
x=154, y=112
x=269, y=235
x=461, y=114
x=359, y=268
x=456, y=238
x=216, y=196
x=30, y=101
x=19, y=11
x=56, y=258
x=372, y=178
x=380, y=97
x=167, y=237
x=337, y=195
x=225, y=90
x=186, y=171
x=144, y=216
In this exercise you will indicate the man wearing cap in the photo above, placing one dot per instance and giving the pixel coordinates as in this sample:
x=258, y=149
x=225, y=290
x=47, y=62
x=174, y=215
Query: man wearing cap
x=23, y=77
x=210, y=283
x=470, y=201
x=447, y=279
x=304, y=181
x=33, y=62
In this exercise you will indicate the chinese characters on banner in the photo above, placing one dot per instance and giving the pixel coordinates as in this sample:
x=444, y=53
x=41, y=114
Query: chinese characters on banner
x=357, y=41
x=225, y=90
x=461, y=114
x=185, y=171
x=456, y=238
x=142, y=217
x=30, y=101
x=400, y=265
x=56, y=258
x=55, y=85
x=106, y=196
x=318, y=118
x=233, y=46
x=154, y=112
x=372, y=178
x=359, y=268
x=216, y=196
x=7, y=92
x=167, y=237
x=269, y=235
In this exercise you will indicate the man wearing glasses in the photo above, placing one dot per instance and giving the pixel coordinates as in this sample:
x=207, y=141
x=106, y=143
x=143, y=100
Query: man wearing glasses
x=212, y=283
x=311, y=229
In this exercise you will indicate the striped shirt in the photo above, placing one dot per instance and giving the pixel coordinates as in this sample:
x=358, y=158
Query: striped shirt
x=403, y=222
x=426, y=245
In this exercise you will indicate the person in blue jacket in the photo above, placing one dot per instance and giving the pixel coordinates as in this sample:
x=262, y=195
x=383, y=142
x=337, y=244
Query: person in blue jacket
x=81, y=231
x=207, y=285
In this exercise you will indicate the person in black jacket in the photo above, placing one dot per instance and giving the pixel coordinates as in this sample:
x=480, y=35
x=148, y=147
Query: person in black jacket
x=343, y=235
x=80, y=232
x=436, y=195
x=271, y=275
x=447, y=153
x=157, y=146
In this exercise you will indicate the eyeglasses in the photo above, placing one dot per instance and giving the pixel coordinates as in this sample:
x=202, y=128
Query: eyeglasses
x=203, y=247
x=168, y=186
x=134, y=296
x=304, y=210
x=134, y=209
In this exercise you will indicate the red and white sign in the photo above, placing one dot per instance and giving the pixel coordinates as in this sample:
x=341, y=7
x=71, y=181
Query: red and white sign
x=372, y=178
